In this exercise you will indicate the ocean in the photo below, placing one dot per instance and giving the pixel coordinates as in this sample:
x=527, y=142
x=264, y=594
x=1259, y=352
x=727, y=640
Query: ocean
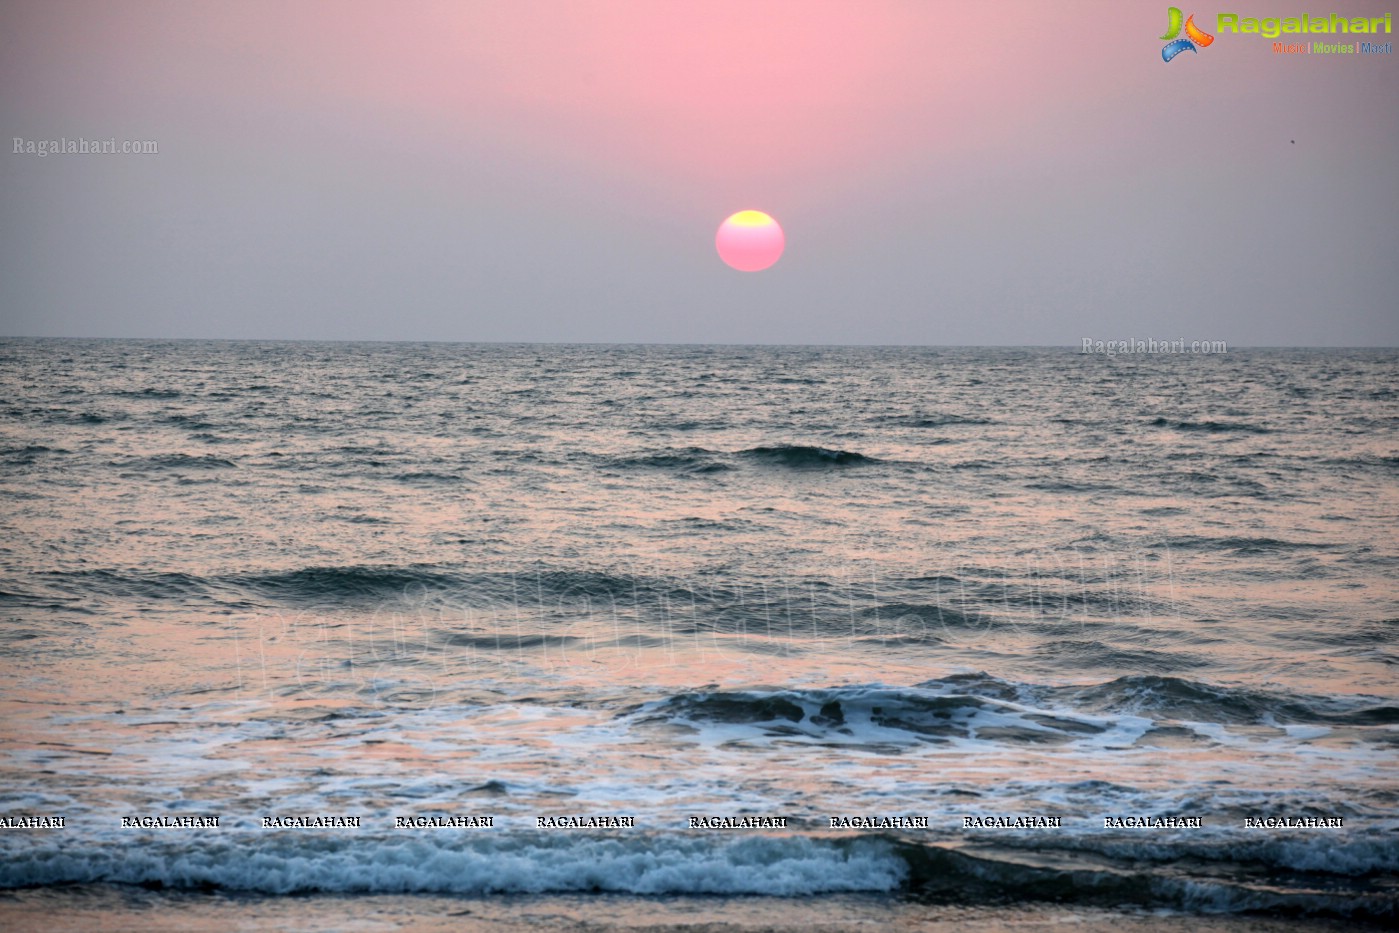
x=701, y=632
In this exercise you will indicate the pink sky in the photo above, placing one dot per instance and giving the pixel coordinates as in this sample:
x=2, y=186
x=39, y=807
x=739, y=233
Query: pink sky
x=877, y=134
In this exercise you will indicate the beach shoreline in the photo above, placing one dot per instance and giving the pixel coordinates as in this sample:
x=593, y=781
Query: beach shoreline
x=120, y=909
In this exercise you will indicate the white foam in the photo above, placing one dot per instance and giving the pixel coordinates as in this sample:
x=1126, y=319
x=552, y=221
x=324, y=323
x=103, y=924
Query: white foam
x=785, y=866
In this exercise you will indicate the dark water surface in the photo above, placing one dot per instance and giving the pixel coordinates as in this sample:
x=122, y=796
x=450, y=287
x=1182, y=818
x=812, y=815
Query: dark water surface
x=261, y=579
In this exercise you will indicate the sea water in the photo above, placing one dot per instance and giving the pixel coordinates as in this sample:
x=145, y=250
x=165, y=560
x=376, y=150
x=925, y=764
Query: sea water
x=1029, y=624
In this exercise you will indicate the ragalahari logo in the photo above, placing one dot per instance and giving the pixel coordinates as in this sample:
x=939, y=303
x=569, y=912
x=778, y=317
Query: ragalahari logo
x=1193, y=34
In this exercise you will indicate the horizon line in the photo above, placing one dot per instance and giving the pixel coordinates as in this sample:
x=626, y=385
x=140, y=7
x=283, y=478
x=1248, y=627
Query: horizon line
x=689, y=343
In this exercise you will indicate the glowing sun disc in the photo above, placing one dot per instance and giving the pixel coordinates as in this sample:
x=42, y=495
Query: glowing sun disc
x=750, y=241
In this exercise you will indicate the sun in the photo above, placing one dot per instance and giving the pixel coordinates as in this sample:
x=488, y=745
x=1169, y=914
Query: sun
x=750, y=241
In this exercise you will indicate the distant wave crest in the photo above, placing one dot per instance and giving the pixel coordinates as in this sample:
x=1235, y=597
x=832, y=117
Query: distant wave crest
x=1211, y=427
x=803, y=456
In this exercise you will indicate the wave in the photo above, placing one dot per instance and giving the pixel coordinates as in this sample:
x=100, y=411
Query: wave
x=543, y=590
x=140, y=587
x=1246, y=546
x=150, y=392
x=1224, y=880
x=350, y=584
x=704, y=605
x=930, y=421
x=192, y=422
x=1210, y=427
x=176, y=461
x=310, y=585
x=29, y=454
x=68, y=416
x=1366, y=461
x=702, y=460
x=429, y=477
x=686, y=459
x=871, y=716
x=802, y=456
x=979, y=708
x=540, y=590
x=1174, y=698
x=495, y=864
x=1087, y=653
x=1270, y=877
x=511, y=640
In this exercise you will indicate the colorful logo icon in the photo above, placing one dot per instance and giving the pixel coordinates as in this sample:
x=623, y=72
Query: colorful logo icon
x=1193, y=34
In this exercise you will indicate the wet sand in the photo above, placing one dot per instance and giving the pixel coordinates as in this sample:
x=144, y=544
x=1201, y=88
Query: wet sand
x=120, y=910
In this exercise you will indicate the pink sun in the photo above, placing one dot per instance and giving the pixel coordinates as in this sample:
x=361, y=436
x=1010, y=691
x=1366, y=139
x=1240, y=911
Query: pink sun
x=750, y=241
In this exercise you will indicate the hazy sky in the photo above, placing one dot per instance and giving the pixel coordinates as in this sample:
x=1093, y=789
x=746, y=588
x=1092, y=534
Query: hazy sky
x=946, y=173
